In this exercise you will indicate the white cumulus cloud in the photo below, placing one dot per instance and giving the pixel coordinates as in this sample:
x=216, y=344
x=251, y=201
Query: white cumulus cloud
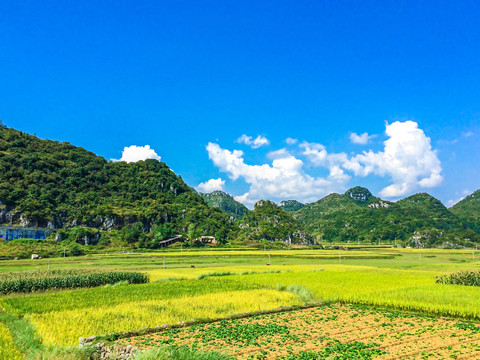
x=253, y=143
x=136, y=153
x=291, y=141
x=452, y=202
x=211, y=185
x=408, y=159
x=283, y=179
x=361, y=139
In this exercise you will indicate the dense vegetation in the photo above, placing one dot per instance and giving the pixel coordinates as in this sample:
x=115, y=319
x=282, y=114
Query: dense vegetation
x=466, y=277
x=468, y=210
x=267, y=221
x=49, y=182
x=291, y=205
x=226, y=203
x=359, y=216
x=39, y=281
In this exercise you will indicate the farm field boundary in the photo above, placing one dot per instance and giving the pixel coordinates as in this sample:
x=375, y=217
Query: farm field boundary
x=110, y=338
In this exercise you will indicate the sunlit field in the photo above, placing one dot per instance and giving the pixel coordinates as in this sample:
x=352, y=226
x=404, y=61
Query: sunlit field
x=187, y=285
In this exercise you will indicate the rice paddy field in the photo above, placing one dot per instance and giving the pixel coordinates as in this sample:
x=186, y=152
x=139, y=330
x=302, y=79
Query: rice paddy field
x=365, y=302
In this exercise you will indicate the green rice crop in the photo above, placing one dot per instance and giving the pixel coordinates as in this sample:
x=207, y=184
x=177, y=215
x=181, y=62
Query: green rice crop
x=21, y=305
x=398, y=289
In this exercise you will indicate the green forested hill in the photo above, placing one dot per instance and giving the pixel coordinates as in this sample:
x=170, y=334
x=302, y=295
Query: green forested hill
x=226, y=203
x=357, y=215
x=468, y=210
x=267, y=221
x=291, y=205
x=45, y=182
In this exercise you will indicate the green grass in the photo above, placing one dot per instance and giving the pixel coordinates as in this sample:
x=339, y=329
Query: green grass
x=181, y=353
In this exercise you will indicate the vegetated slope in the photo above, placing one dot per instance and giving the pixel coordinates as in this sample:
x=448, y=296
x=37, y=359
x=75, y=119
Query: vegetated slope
x=267, y=221
x=341, y=217
x=358, y=215
x=226, y=203
x=291, y=205
x=44, y=182
x=468, y=210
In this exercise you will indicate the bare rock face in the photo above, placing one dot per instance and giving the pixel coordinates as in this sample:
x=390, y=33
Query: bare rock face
x=106, y=352
x=379, y=204
x=5, y=216
x=108, y=223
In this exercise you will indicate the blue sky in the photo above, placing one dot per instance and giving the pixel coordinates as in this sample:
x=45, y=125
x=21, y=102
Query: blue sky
x=180, y=75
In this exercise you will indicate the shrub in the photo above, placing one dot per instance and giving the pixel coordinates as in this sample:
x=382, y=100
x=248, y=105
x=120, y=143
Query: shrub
x=76, y=250
x=223, y=273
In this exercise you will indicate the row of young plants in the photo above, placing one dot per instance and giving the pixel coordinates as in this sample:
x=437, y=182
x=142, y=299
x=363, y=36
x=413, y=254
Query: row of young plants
x=466, y=277
x=75, y=280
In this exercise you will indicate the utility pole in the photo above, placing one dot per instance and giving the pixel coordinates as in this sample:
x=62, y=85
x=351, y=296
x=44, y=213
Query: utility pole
x=419, y=252
x=269, y=262
x=164, y=263
x=48, y=264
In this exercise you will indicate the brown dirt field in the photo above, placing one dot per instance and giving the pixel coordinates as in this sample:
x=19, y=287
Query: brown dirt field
x=327, y=330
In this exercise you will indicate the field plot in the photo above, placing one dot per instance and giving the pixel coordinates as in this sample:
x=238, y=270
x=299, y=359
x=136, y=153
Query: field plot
x=223, y=283
x=329, y=331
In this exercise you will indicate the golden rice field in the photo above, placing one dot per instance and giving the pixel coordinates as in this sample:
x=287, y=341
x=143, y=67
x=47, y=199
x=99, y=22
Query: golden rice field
x=65, y=327
x=7, y=347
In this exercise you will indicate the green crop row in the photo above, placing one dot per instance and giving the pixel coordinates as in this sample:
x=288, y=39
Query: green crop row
x=11, y=276
x=469, y=278
x=77, y=281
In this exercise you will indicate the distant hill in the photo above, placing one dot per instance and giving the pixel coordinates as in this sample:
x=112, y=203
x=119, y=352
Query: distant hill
x=468, y=210
x=267, y=221
x=226, y=203
x=55, y=184
x=357, y=214
x=291, y=205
